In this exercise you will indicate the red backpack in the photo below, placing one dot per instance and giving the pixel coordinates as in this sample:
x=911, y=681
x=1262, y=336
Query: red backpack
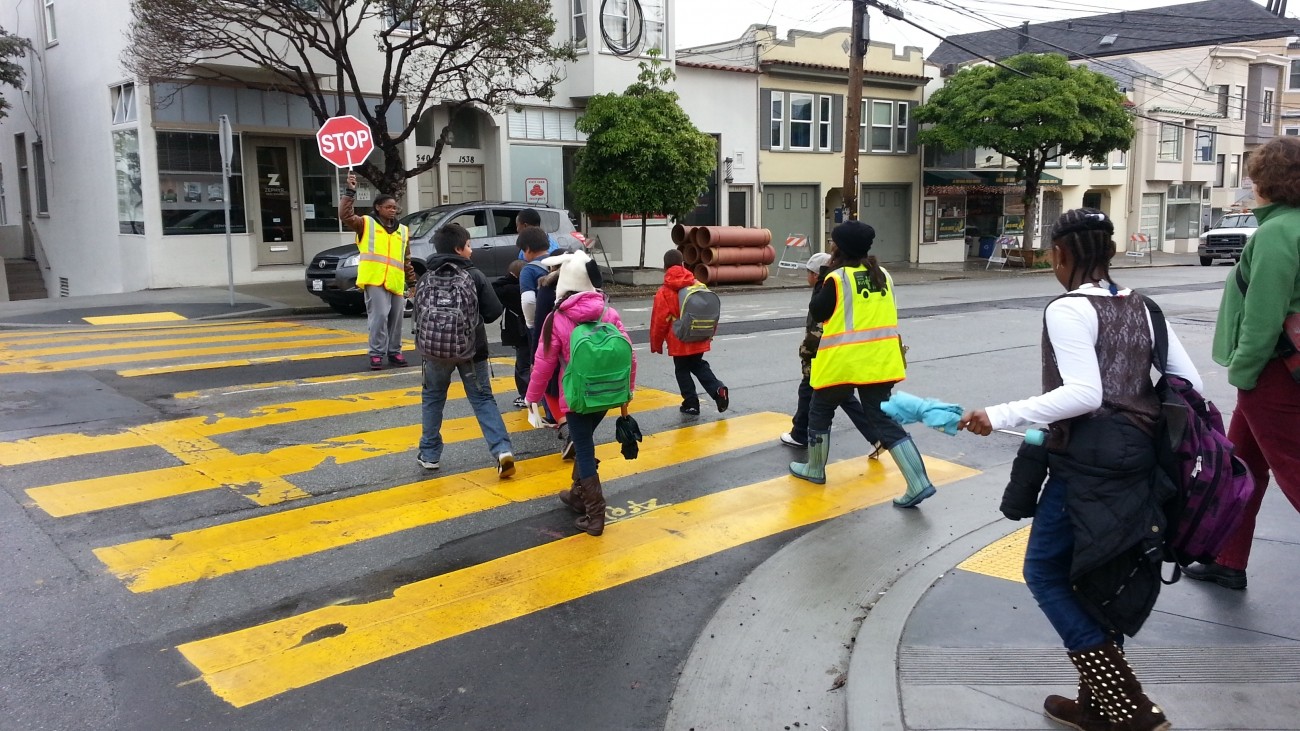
x=1212, y=484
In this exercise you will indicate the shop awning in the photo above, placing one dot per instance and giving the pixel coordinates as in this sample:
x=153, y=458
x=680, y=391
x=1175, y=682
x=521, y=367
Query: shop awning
x=952, y=177
x=1003, y=178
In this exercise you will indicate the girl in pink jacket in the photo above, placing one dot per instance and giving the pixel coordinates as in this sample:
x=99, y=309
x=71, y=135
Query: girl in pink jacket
x=577, y=301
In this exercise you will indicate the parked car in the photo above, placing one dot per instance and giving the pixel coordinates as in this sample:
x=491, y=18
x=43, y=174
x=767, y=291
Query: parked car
x=332, y=274
x=1226, y=238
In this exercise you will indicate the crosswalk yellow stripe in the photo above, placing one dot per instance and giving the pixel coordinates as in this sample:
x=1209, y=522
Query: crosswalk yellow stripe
x=72, y=444
x=245, y=472
x=263, y=661
x=147, y=346
x=238, y=362
x=141, y=317
x=173, y=354
x=326, y=380
x=194, y=449
x=206, y=553
x=83, y=332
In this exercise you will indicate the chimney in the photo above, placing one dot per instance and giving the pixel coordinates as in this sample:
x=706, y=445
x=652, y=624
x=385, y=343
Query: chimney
x=1024, y=37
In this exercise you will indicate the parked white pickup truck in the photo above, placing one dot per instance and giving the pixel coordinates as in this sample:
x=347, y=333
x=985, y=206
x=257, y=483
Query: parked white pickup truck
x=1227, y=238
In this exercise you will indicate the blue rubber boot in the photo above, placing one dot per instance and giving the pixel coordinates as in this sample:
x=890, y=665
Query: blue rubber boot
x=908, y=459
x=814, y=470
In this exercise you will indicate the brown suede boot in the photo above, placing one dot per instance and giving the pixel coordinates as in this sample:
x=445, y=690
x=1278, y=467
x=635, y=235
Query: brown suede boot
x=593, y=502
x=572, y=497
x=1116, y=690
x=1082, y=714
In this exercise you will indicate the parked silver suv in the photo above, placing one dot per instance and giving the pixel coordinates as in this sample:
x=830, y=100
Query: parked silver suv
x=332, y=274
x=1227, y=238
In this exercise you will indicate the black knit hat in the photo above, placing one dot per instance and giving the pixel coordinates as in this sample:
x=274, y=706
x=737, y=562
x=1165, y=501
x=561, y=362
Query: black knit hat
x=1082, y=220
x=854, y=239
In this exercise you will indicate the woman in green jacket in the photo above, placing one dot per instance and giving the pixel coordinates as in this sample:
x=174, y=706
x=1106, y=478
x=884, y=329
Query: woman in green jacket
x=1261, y=291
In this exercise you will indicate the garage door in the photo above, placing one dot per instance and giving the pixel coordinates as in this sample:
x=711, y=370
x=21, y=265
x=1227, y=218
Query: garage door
x=889, y=210
x=791, y=210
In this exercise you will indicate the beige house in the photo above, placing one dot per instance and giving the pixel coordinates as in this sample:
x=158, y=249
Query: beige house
x=801, y=116
x=1205, y=82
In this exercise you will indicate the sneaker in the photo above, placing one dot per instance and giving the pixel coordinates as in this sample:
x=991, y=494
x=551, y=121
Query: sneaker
x=505, y=465
x=788, y=440
x=691, y=407
x=1221, y=575
x=723, y=399
x=428, y=464
x=520, y=403
x=397, y=359
x=376, y=363
x=567, y=449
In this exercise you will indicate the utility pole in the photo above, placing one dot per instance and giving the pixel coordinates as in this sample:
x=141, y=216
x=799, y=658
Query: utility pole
x=853, y=123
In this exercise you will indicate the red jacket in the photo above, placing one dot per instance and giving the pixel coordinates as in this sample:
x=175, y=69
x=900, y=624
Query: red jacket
x=665, y=312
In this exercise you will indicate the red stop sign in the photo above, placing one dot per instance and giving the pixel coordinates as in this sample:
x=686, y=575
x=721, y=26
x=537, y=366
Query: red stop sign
x=345, y=141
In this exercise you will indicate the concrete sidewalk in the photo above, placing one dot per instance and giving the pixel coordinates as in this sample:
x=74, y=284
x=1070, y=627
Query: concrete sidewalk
x=290, y=298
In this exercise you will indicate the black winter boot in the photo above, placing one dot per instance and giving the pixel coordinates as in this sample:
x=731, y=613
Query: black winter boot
x=1116, y=691
x=593, y=503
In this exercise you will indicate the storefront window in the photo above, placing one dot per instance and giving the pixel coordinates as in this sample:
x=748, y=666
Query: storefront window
x=321, y=183
x=189, y=176
x=130, y=199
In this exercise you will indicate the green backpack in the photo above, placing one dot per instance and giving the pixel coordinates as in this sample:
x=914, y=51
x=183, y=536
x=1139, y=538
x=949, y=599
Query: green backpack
x=599, y=374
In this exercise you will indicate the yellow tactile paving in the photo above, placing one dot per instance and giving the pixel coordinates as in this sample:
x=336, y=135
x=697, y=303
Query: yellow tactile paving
x=1002, y=559
x=141, y=317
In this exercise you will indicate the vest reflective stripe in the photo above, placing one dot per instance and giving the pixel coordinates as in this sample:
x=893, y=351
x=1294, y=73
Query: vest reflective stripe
x=383, y=257
x=859, y=342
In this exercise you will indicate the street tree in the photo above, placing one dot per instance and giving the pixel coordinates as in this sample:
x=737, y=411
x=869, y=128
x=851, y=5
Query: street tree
x=1038, y=108
x=11, y=72
x=459, y=53
x=643, y=154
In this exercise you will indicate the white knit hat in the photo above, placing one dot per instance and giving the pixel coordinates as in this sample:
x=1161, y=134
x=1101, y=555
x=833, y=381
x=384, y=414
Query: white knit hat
x=817, y=261
x=573, y=273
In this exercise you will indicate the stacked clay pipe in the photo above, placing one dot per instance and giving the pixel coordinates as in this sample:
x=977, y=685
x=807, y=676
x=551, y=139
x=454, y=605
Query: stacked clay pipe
x=725, y=254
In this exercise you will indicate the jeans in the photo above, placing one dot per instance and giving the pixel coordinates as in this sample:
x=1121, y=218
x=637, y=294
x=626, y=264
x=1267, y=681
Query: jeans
x=478, y=389
x=875, y=425
x=523, y=368
x=582, y=430
x=1047, y=571
x=1265, y=428
x=384, y=317
x=851, y=406
x=695, y=365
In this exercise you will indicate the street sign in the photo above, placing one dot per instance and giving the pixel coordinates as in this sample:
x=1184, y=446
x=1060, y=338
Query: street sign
x=537, y=191
x=344, y=141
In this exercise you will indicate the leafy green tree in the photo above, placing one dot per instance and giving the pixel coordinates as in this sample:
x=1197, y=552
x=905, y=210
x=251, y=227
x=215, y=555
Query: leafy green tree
x=11, y=73
x=1037, y=109
x=362, y=57
x=643, y=154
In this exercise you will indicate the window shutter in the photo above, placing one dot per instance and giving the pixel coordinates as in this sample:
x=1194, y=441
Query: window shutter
x=837, y=123
x=912, y=128
x=764, y=119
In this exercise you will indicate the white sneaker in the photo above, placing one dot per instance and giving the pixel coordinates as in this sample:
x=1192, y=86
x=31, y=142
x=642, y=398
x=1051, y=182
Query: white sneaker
x=788, y=440
x=505, y=465
x=427, y=464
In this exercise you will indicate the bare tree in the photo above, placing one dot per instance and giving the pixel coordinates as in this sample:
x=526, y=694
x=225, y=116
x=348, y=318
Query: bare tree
x=458, y=53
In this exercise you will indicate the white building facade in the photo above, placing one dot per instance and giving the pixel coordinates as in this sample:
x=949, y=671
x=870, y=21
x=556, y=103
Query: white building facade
x=114, y=185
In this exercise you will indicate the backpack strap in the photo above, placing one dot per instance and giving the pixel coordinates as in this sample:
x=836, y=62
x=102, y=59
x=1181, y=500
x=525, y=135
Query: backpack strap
x=1161, y=329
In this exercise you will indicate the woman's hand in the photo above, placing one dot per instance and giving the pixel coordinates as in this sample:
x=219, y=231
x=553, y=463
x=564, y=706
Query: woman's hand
x=976, y=422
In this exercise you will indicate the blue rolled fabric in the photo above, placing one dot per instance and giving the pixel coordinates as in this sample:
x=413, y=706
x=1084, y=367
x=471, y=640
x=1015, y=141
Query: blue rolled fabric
x=905, y=408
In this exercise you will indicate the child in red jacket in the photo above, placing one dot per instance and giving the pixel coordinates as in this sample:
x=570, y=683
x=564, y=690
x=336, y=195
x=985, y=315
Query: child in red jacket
x=688, y=358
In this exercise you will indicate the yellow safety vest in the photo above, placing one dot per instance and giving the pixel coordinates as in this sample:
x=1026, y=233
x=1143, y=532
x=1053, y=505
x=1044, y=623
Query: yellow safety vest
x=860, y=343
x=383, y=257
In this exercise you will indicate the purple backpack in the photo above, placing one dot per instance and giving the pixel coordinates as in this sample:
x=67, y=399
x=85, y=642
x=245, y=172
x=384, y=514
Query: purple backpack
x=1212, y=484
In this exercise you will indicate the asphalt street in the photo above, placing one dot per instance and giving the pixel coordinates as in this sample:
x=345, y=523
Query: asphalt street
x=220, y=524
